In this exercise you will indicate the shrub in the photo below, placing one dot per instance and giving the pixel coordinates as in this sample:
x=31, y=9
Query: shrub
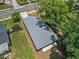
x=16, y=17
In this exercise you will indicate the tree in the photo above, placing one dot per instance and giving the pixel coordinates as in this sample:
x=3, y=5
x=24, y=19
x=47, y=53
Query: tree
x=16, y=17
x=71, y=36
x=53, y=11
x=65, y=17
x=71, y=4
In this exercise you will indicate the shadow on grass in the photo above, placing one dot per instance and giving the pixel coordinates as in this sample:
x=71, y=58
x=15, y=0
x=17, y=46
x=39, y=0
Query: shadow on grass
x=15, y=28
x=55, y=56
x=9, y=38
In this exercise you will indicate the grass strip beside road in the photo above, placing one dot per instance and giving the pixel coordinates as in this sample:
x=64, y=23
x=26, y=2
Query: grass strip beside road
x=5, y=6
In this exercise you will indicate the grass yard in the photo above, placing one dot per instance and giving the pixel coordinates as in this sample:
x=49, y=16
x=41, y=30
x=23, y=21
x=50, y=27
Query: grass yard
x=1, y=57
x=9, y=23
x=5, y=6
x=20, y=48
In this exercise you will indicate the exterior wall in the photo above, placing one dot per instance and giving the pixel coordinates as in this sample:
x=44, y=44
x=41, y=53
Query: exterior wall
x=4, y=47
x=47, y=48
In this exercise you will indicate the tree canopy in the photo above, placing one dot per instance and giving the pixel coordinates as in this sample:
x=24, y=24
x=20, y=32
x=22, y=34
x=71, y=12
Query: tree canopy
x=16, y=17
x=64, y=15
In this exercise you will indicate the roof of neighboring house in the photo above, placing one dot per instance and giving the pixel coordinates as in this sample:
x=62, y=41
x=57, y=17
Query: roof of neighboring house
x=4, y=39
x=41, y=37
x=2, y=1
x=3, y=34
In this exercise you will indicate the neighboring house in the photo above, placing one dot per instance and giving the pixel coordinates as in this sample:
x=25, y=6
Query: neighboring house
x=41, y=34
x=2, y=1
x=4, y=39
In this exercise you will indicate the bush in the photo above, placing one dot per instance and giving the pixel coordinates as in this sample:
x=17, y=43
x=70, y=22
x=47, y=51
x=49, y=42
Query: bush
x=16, y=17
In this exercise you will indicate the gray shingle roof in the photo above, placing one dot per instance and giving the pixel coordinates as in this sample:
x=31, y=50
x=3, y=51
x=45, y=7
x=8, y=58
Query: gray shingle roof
x=4, y=40
x=39, y=35
x=3, y=34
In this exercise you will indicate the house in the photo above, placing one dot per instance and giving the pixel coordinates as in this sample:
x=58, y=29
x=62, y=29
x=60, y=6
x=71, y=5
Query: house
x=4, y=39
x=2, y=1
x=41, y=34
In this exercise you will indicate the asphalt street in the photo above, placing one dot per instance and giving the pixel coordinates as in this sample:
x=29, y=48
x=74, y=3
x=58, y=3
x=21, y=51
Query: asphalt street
x=27, y=8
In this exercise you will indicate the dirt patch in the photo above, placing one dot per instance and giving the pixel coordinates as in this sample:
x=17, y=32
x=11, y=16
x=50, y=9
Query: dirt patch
x=33, y=13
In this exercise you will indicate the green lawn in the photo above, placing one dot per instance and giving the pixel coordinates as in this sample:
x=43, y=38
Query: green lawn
x=1, y=57
x=9, y=23
x=5, y=6
x=20, y=48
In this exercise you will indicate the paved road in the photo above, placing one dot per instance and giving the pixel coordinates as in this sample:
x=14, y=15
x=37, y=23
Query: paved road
x=7, y=13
